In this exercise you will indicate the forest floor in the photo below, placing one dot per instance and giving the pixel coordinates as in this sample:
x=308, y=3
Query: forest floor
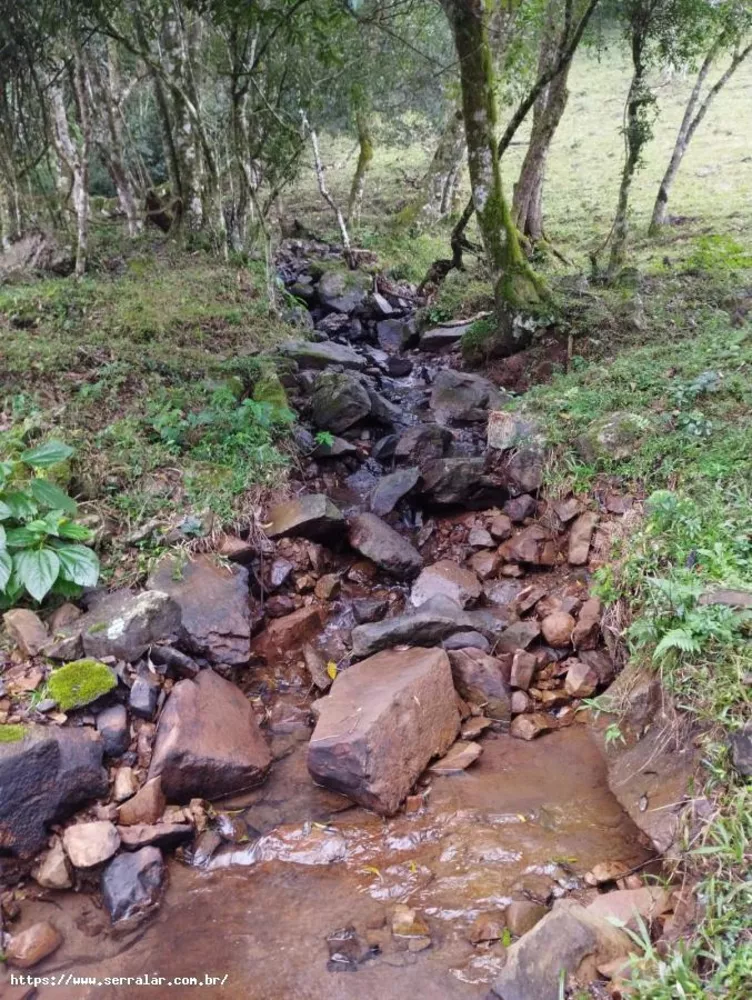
x=143, y=365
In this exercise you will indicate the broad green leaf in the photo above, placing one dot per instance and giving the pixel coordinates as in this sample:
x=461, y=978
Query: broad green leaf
x=37, y=570
x=5, y=511
x=49, y=495
x=20, y=538
x=6, y=568
x=76, y=532
x=21, y=505
x=38, y=527
x=47, y=454
x=53, y=520
x=78, y=564
x=3, y=539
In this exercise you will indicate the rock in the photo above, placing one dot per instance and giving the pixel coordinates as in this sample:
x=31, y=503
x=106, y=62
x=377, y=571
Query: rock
x=33, y=252
x=122, y=624
x=521, y=507
x=486, y=927
x=601, y=662
x=380, y=725
x=279, y=572
x=327, y=587
x=398, y=367
x=475, y=727
x=52, y=870
x=557, y=629
x=461, y=396
x=144, y=695
x=89, y=844
x=163, y=835
x=449, y=579
x=460, y=756
x=27, y=948
x=27, y=630
x=467, y=640
x=523, y=471
x=485, y=564
x=208, y=742
x=480, y=679
x=80, y=683
x=631, y=906
x=501, y=527
x=518, y=636
x=383, y=411
x=337, y=448
x=427, y=625
x=459, y=481
x=501, y=592
x=730, y=598
x=311, y=516
x=422, y=443
x=567, y=510
x=375, y=540
x=440, y=338
x=339, y=401
x=507, y=430
x=125, y=785
x=343, y=291
x=146, y=806
x=382, y=306
x=741, y=750
x=282, y=635
x=44, y=777
x=131, y=883
x=523, y=669
x=237, y=550
x=580, y=537
x=112, y=725
x=527, y=727
x=396, y=334
x=615, y=436
x=214, y=603
x=581, y=680
x=521, y=702
x=567, y=939
x=317, y=357
x=392, y=488
x=522, y=915
x=407, y=923
x=479, y=538
x=532, y=545
x=369, y=609
x=383, y=450
x=587, y=631
x=528, y=597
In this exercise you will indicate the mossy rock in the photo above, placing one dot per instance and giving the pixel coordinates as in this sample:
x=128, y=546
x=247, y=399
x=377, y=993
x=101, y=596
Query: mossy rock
x=12, y=733
x=615, y=436
x=80, y=683
x=270, y=390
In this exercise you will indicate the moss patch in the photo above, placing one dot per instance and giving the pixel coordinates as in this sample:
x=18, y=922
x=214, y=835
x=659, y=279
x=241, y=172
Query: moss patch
x=80, y=683
x=12, y=733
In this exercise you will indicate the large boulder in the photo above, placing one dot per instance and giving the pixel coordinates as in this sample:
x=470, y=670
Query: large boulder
x=427, y=625
x=448, y=579
x=44, y=777
x=317, y=356
x=214, y=605
x=374, y=539
x=615, y=436
x=463, y=397
x=339, y=400
x=460, y=481
x=482, y=680
x=121, y=624
x=343, y=291
x=131, y=883
x=382, y=722
x=208, y=741
x=311, y=516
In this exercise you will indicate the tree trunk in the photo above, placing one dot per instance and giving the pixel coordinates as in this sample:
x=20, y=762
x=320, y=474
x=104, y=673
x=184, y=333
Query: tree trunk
x=438, y=188
x=365, y=142
x=516, y=285
x=187, y=152
x=10, y=207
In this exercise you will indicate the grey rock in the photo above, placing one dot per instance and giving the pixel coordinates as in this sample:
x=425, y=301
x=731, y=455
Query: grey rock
x=339, y=401
x=741, y=750
x=131, y=883
x=520, y=507
x=144, y=696
x=374, y=539
x=506, y=430
x=427, y=625
x=392, y=488
x=451, y=481
x=310, y=355
x=614, y=436
x=369, y=609
x=460, y=396
x=523, y=471
x=520, y=635
x=396, y=334
x=343, y=291
x=422, y=442
x=441, y=338
x=311, y=516
x=112, y=726
x=480, y=679
x=467, y=640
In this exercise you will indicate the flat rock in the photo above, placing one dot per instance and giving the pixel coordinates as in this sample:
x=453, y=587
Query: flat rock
x=288, y=633
x=343, y=291
x=631, y=906
x=208, y=742
x=382, y=722
x=422, y=442
x=27, y=630
x=214, y=604
x=392, y=488
x=580, y=537
x=460, y=756
x=519, y=635
x=132, y=882
x=467, y=640
x=89, y=844
x=463, y=397
x=164, y=835
x=340, y=400
x=480, y=679
x=731, y=598
x=146, y=806
x=310, y=355
x=27, y=948
x=311, y=516
x=460, y=481
x=374, y=539
x=527, y=727
x=44, y=778
x=448, y=579
x=532, y=545
x=427, y=625
x=441, y=338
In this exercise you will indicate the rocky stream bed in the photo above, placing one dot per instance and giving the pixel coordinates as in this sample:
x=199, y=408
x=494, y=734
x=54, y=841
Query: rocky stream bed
x=349, y=757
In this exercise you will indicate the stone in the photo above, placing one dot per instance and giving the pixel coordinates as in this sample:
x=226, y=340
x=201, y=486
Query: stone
x=398, y=367
x=384, y=411
x=283, y=635
x=523, y=669
x=459, y=757
x=528, y=726
x=587, y=631
x=523, y=471
x=52, y=870
x=580, y=537
x=501, y=527
x=146, y=806
x=163, y=835
x=383, y=720
x=631, y=907
x=422, y=443
x=521, y=507
x=214, y=604
x=522, y=915
x=567, y=510
x=383, y=449
x=521, y=702
x=480, y=679
x=89, y=844
x=237, y=550
x=730, y=598
x=132, y=882
x=339, y=401
x=208, y=742
x=336, y=448
x=392, y=488
x=449, y=579
x=475, y=727
x=480, y=538
x=441, y=338
x=506, y=430
x=557, y=629
x=396, y=334
x=312, y=516
x=327, y=587
x=44, y=777
x=528, y=597
x=460, y=482
x=112, y=725
x=519, y=635
x=485, y=564
x=27, y=630
x=80, y=683
x=502, y=593
x=369, y=609
x=125, y=785
x=741, y=750
x=343, y=291
x=381, y=304
x=27, y=948
x=581, y=680
x=486, y=927
x=467, y=640
x=375, y=540
x=121, y=624
x=427, y=625
x=279, y=572
x=144, y=695
x=567, y=939
x=461, y=396
x=407, y=923
x=317, y=357
x=614, y=436
x=532, y=545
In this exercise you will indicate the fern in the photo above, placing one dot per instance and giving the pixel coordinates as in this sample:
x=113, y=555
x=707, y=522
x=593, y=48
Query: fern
x=679, y=639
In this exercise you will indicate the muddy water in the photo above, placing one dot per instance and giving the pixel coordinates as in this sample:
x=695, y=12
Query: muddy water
x=527, y=818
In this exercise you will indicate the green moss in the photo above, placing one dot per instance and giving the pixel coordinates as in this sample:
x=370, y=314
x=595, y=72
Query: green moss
x=80, y=683
x=12, y=733
x=270, y=390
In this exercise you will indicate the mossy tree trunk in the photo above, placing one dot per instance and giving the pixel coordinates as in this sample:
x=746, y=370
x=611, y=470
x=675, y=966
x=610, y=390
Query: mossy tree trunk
x=365, y=156
x=438, y=189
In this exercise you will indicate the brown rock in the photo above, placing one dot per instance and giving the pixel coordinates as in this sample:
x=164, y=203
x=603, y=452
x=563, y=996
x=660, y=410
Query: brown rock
x=486, y=927
x=521, y=702
x=581, y=680
x=532, y=545
x=164, y=835
x=567, y=510
x=601, y=662
x=527, y=598
x=449, y=579
x=27, y=630
x=382, y=722
x=606, y=871
x=146, y=806
x=66, y=614
x=283, y=635
x=29, y=947
x=480, y=679
x=631, y=906
x=501, y=527
x=460, y=756
x=522, y=915
x=406, y=922
x=557, y=629
x=208, y=742
x=485, y=564
x=52, y=870
x=124, y=785
x=474, y=726
x=519, y=635
x=315, y=662
x=580, y=537
x=327, y=587
x=89, y=844
x=587, y=631
x=519, y=508
x=523, y=668
x=380, y=543
x=527, y=727
x=313, y=516
x=237, y=550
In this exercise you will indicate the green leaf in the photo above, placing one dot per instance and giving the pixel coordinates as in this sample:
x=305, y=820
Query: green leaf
x=21, y=505
x=49, y=495
x=76, y=532
x=47, y=454
x=6, y=568
x=3, y=539
x=37, y=570
x=5, y=511
x=78, y=564
x=20, y=538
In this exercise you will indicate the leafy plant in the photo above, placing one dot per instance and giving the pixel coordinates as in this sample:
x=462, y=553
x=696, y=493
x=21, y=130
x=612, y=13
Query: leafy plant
x=40, y=541
x=324, y=438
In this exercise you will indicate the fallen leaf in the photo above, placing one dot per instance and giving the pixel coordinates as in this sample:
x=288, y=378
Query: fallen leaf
x=332, y=669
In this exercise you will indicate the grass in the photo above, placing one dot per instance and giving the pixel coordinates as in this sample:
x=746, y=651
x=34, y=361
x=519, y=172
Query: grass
x=12, y=733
